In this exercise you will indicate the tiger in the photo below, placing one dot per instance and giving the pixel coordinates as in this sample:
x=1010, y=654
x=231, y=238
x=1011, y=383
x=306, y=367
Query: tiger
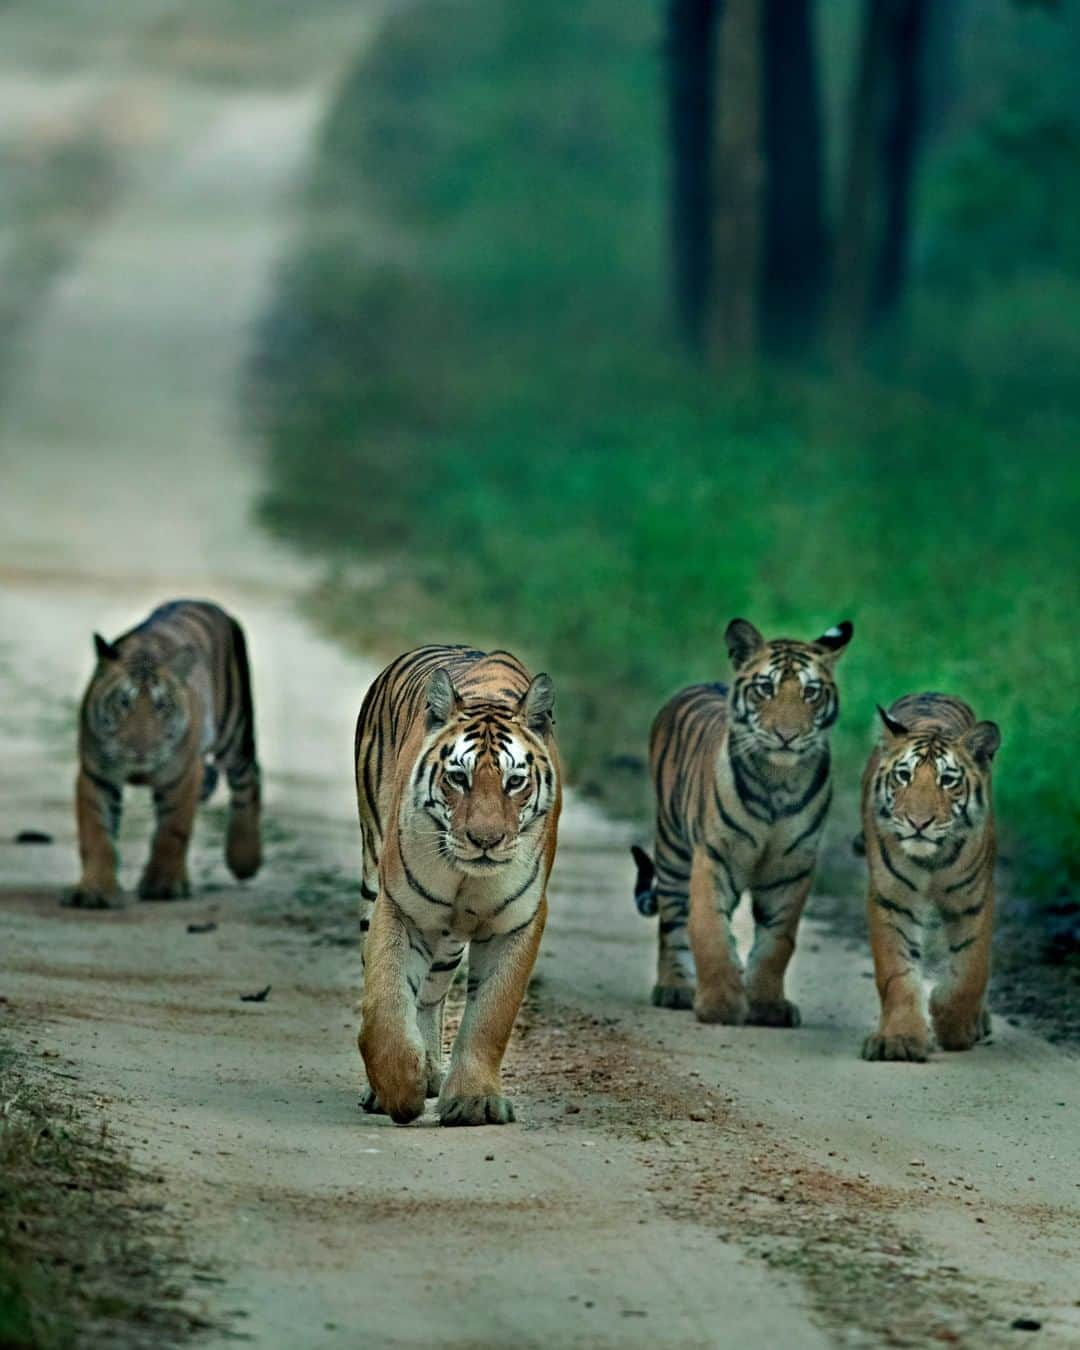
x=928, y=827
x=742, y=783
x=168, y=704
x=458, y=786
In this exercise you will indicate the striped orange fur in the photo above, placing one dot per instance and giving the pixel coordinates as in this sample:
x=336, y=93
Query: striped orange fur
x=168, y=704
x=928, y=826
x=458, y=788
x=742, y=785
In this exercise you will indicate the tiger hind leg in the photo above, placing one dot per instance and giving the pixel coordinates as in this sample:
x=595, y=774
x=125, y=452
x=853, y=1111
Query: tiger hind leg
x=675, y=980
x=243, y=837
x=369, y=880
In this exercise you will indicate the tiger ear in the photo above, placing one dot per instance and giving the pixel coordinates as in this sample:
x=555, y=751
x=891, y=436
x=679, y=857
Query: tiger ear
x=105, y=650
x=442, y=699
x=182, y=663
x=835, y=639
x=894, y=730
x=537, y=704
x=982, y=742
x=743, y=642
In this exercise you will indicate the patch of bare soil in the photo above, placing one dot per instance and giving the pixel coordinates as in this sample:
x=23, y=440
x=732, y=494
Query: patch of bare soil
x=714, y=1165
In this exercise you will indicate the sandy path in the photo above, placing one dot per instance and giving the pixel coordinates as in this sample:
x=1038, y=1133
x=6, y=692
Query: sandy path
x=667, y=1184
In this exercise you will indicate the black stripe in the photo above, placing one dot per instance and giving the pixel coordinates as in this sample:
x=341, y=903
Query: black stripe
x=782, y=881
x=519, y=928
x=894, y=908
x=416, y=886
x=521, y=889
x=729, y=822
x=813, y=827
x=914, y=951
x=890, y=868
x=452, y=964
x=110, y=789
x=821, y=777
x=954, y=915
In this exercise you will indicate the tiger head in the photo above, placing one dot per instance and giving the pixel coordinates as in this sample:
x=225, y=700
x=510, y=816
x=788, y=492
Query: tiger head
x=931, y=789
x=136, y=707
x=486, y=775
x=783, y=699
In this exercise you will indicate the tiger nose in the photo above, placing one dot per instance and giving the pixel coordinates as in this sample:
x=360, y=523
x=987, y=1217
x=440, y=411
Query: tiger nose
x=919, y=825
x=485, y=840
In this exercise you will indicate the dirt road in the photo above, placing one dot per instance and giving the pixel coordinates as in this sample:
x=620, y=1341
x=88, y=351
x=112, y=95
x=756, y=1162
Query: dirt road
x=668, y=1184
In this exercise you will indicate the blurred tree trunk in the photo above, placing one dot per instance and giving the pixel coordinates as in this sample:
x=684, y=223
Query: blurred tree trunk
x=738, y=174
x=795, y=250
x=902, y=133
x=946, y=28
x=870, y=259
x=691, y=39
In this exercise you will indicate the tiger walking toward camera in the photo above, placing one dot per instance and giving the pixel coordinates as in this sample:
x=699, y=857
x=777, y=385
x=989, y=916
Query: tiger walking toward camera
x=458, y=789
x=168, y=704
x=742, y=781
x=928, y=827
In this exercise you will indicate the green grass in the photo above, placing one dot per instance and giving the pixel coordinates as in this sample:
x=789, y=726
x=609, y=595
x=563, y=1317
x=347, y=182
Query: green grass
x=468, y=369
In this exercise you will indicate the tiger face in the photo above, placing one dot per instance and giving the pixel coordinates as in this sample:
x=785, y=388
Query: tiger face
x=931, y=791
x=783, y=700
x=136, y=708
x=485, y=776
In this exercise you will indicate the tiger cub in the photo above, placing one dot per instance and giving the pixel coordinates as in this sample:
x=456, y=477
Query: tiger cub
x=168, y=703
x=742, y=790
x=928, y=824
x=458, y=787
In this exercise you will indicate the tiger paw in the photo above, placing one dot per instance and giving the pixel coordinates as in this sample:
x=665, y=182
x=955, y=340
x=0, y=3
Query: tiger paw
x=370, y=1103
x=86, y=896
x=398, y=1069
x=777, y=1013
x=492, y=1109
x=673, y=996
x=725, y=1007
x=155, y=886
x=957, y=1026
x=914, y=1049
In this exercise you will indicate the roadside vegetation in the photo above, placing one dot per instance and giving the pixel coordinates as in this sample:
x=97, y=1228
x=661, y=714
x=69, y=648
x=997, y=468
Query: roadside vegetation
x=84, y=1259
x=469, y=373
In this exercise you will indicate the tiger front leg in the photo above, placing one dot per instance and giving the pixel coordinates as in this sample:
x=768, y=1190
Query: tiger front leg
x=896, y=942
x=165, y=875
x=714, y=895
x=390, y=1041
x=499, y=970
x=958, y=1003
x=97, y=812
x=778, y=906
x=446, y=959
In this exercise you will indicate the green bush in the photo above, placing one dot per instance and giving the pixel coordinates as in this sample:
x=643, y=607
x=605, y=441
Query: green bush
x=467, y=365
